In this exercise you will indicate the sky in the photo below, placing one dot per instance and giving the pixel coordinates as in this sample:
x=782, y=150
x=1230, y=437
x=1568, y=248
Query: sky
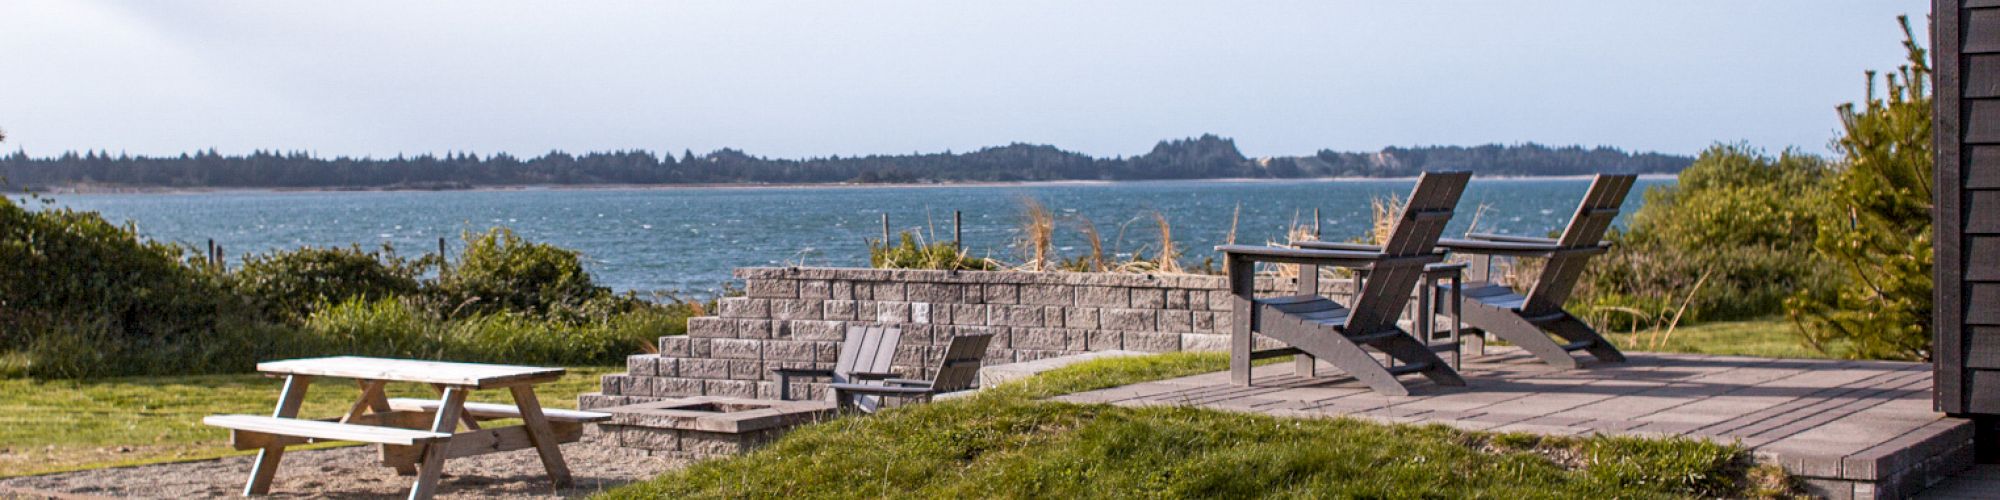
x=800, y=79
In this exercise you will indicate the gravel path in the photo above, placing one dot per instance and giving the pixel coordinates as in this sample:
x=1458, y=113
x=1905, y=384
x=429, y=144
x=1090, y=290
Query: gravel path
x=356, y=472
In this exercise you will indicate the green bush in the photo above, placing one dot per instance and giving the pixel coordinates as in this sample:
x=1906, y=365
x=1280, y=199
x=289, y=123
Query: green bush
x=909, y=254
x=1739, y=217
x=499, y=271
x=392, y=328
x=82, y=297
x=288, y=284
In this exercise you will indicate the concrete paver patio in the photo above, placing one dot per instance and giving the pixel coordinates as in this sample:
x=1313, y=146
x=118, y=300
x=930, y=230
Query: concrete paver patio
x=1849, y=429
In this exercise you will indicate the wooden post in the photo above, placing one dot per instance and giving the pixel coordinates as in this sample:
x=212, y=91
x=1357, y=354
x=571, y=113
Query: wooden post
x=957, y=234
x=1242, y=273
x=266, y=467
x=1315, y=223
x=885, y=229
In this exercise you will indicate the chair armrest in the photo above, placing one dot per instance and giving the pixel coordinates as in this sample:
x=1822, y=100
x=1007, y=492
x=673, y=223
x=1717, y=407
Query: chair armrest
x=1341, y=258
x=906, y=382
x=879, y=390
x=873, y=375
x=1335, y=245
x=1516, y=249
x=1509, y=238
x=801, y=372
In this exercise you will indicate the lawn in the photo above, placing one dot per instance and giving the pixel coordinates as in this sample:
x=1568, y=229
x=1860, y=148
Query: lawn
x=57, y=425
x=1006, y=442
x=1771, y=337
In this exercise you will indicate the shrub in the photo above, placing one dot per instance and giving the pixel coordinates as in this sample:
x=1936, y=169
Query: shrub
x=81, y=297
x=1877, y=230
x=1738, y=216
x=288, y=284
x=501, y=272
x=910, y=254
x=392, y=328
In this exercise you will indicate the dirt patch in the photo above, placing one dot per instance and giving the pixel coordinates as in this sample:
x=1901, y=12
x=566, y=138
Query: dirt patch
x=356, y=472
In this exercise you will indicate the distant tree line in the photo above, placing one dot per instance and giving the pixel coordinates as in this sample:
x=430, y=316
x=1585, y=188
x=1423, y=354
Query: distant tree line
x=1205, y=157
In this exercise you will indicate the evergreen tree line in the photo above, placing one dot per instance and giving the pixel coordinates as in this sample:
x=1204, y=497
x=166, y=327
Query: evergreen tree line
x=1205, y=157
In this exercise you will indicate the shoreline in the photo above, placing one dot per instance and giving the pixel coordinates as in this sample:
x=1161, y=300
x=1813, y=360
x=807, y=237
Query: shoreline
x=117, y=190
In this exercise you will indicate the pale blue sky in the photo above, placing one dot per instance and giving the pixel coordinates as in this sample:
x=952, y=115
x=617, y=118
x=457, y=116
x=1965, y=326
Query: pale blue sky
x=793, y=79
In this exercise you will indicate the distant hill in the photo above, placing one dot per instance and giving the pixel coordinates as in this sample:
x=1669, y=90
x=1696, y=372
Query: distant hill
x=1205, y=157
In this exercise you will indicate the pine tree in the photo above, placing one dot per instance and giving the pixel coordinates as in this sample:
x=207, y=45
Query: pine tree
x=1878, y=229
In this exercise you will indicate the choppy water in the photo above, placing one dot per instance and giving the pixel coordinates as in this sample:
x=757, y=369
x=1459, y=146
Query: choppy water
x=688, y=239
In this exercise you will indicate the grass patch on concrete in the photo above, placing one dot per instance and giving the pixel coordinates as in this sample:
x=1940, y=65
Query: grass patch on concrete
x=1769, y=338
x=51, y=426
x=1008, y=442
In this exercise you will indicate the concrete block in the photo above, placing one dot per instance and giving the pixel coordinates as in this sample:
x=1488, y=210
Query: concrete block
x=934, y=292
x=816, y=289
x=1080, y=317
x=1104, y=296
x=747, y=369
x=889, y=291
x=676, y=387
x=1152, y=342
x=711, y=327
x=754, y=329
x=920, y=313
x=796, y=309
x=892, y=312
x=1173, y=321
x=772, y=289
x=676, y=346
x=818, y=330
x=704, y=368
x=1178, y=299
x=1149, y=298
x=641, y=365
x=968, y=314
x=730, y=388
x=1002, y=294
x=779, y=350
x=736, y=349
x=840, y=310
x=841, y=290
x=1204, y=342
x=1052, y=316
x=745, y=307
x=1048, y=295
x=1028, y=316
x=1130, y=320
x=1103, y=340
x=1053, y=339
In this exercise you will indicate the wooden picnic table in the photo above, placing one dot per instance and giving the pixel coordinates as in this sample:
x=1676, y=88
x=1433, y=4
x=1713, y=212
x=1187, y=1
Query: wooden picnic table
x=416, y=435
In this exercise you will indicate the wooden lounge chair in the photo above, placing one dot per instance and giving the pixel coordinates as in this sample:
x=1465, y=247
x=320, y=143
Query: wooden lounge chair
x=864, y=355
x=1316, y=327
x=956, y=371
x=1529, y=320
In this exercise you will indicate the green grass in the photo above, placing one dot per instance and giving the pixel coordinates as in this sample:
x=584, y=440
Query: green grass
x=1771, y=337
x=1008, y=442
x=59, y=425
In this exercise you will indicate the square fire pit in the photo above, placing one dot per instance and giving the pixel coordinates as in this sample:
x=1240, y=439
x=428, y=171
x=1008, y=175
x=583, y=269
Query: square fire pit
x=707, y=426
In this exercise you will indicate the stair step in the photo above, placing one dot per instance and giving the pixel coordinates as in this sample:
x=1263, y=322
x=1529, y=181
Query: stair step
x=1410, y=368
x=1580, y=344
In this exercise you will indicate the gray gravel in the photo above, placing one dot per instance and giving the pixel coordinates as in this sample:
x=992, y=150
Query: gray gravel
x=356, y=472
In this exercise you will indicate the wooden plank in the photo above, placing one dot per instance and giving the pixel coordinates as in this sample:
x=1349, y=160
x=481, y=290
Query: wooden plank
x=317, y=429
x=474, y=375
x=1947, y=201
x=371, y=390
x=544, y=439
x=1982, y=168
x=1983, y=391
x=1982, y=31
x=488, y=411
x=1982, y=76
x=266, y=466
x=1983, y=347
x=482, y=442
x=1982, y=304
x=246, y=440
x=1982, y=121
x=435, y=452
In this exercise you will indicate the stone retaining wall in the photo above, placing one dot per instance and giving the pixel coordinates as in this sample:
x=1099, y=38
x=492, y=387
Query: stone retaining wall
x=796, y=317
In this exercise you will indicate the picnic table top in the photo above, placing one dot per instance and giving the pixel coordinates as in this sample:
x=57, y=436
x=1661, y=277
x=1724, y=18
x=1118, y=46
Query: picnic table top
x=475, y=375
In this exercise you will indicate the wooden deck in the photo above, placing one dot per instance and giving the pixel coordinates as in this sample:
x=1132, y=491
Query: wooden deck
x=1850, y=429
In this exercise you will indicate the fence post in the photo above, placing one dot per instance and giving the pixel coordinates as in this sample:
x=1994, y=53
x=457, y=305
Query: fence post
x=957, y=235
x=885, y=229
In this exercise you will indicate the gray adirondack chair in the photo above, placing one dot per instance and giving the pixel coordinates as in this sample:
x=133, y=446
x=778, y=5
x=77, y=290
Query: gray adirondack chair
x=1315, y=327
x=864, y=355
x=1530, y=320
x=956, y=371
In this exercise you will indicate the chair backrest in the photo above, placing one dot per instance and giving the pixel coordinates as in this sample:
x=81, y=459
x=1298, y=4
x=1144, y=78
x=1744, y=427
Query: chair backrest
x=1593, y=217
x=867, y=349
x=959, y=367
x=1415, y=233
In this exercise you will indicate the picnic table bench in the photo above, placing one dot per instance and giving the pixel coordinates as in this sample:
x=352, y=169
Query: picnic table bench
x=416, y=435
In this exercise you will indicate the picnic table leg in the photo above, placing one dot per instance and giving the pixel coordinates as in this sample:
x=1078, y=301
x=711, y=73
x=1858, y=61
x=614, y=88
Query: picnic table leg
x=445, y=422
x=376, y=399
x=470, y=423
x=267, y=459
x=540, y=433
